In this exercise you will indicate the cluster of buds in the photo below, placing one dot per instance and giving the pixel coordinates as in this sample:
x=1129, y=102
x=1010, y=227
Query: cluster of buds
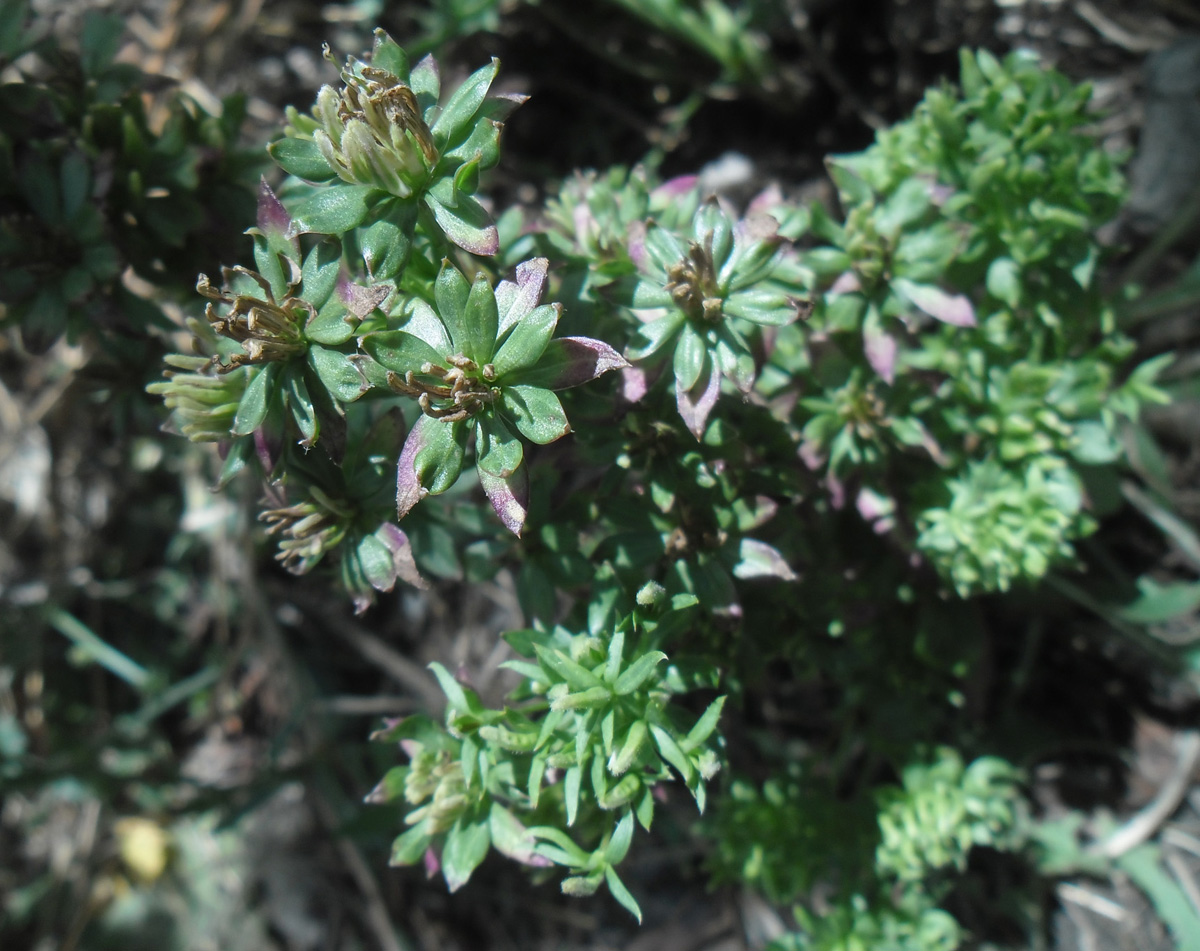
x=463, y=388
x=203, y=404
x=438, y=777
x=306, y=530
x=267, y=331
x=372, y=133
x=692, y=282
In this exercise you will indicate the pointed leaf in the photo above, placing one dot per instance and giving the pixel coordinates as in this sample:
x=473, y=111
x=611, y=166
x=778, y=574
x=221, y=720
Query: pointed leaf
x=466, y=223
x=571, y=361
x=256, y=399
x=527, y=341
x=430, y=461
x=953, y=309
x=638, y=672
x=480, y=322
x=333, y=210
x=704, y=726
x=454, y=124
x=515, y=299
x=509, y=496
x=466, y=846
x=537, y=413
x=621, y=893
x=401, y=351
x=337, y=373
x=497, y=450
x=302, y=158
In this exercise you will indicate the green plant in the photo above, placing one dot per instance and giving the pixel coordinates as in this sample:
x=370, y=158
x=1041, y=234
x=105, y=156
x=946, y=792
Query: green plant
x=92, y=184
x=668, y=477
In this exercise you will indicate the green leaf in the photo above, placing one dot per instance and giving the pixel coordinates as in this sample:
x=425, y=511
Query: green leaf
x=690, y=353
x=497, y=450
x=638, y=672
x=704, y=726
x=333, y=326
x=572, y=781
x=671, y=752
x=388, y=54
x=618, y=846
x=527, y=340
x=456, y=695
x=480, y=322
x=466, y=846
x=537, y=413
x=576, y=675
x=631, y=746
x=410, y=848
x=621, y=893
x=430, y=461
x=334, y=210
x=465, y=221
x=573, y=854
x=400, y=351
x=1004, y=281
x=455, y=122
x=1157, y=603
x=320, y=272
x=384, y=244
x=256, y=400
x=450, y=293
x=302, y=158
x=301, y=404
x=616, y=651
x=337, y=373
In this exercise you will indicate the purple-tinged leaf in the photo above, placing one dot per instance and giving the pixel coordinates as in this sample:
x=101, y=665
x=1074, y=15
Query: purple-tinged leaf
x=432, y=863
x=759, y=560
x=273, y=219
x=402, y=555
x=847, y=283
x=880, y=348
x=758, y=226
x=635, y=383
x=677, y=186
x=502, y=105
x=584, y=222
x=467, y=224
x=876, y=509
x=812, y=454
x=570, y=361
x=516, y=299
x=408, y=482
x=360, y=300
x=695, y=404
x=509, y=496
x=953, y=309
x=636, y=242
x=268, y=443
x=762, y=203
x=511, y=838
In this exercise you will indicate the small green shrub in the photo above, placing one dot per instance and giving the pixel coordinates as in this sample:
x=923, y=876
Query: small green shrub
x=668, y=452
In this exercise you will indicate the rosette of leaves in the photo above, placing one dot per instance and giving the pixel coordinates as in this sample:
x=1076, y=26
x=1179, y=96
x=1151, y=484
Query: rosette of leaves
x=91, y=184
x=1005, y=524
x=584, y=742
x=385, y=153
x=701, y=295
x=480, y=362
x=293, y=322
x=592, y=218
x=944, y=810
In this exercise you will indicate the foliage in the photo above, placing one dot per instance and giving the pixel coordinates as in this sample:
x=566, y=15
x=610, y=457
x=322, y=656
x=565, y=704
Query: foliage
x=668, y=478
x=94, y=182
